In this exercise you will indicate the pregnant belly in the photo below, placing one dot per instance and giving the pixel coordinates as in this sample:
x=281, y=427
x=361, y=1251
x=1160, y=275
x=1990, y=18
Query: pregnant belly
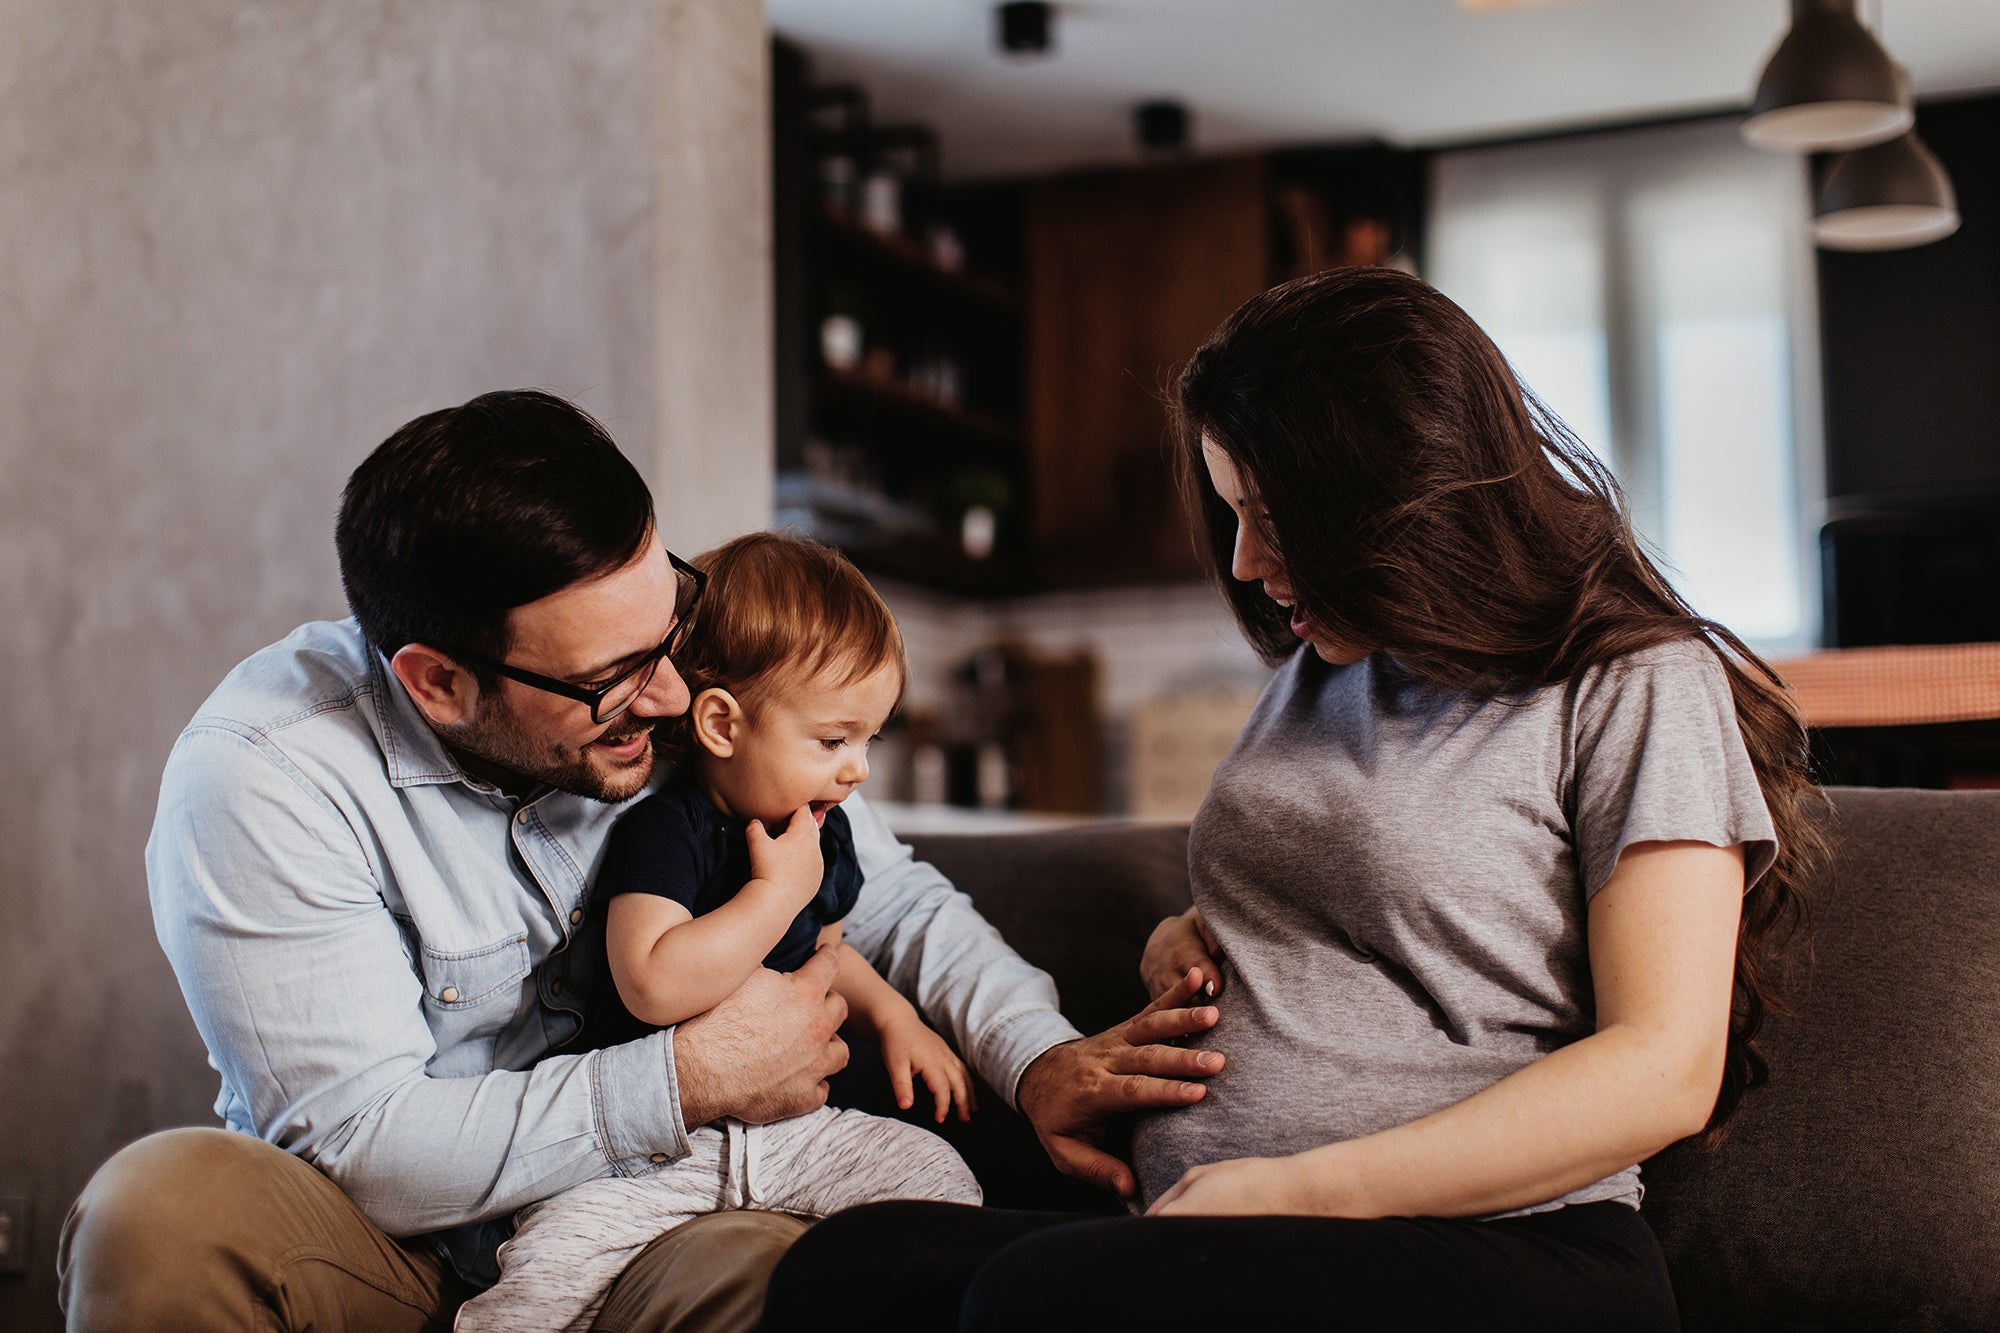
x=1284, y=1091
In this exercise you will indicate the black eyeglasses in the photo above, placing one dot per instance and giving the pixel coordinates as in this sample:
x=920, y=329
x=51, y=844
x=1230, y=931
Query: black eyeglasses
x=613, y=697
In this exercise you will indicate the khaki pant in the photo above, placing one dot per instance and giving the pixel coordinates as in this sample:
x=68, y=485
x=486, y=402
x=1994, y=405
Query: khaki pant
x=204, y=1229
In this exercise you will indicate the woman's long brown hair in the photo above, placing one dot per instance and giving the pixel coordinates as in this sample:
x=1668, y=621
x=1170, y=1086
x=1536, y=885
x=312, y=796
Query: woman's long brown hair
x=1424, y=502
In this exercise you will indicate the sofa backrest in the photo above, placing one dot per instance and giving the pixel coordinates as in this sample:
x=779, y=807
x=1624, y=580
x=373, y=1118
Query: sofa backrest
x=1860, y=1189
x=1077, y=903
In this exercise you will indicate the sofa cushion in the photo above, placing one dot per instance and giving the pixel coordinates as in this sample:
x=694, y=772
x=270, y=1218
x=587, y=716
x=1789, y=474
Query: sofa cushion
x=1860, y=1189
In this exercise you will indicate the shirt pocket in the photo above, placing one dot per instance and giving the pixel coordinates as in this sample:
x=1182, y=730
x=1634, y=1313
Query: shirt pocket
x=470, y=997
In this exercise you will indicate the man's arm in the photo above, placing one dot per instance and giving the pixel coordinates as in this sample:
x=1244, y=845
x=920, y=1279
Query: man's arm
x=929, y=942
x=307, y=995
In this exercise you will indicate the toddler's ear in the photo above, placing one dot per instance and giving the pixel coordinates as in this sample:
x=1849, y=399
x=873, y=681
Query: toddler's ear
x=713, y=718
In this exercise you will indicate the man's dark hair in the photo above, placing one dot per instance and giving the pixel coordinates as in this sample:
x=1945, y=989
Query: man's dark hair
x=468, y=512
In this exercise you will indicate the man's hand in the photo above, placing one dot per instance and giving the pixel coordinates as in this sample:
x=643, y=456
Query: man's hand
x=1176, y=945
x=766, y=1052
x=1071, y=1090
x=791, y=860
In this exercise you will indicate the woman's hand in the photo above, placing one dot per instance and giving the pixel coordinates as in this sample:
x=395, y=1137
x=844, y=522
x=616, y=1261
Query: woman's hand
x=1069, y=1092
x=911, y=1050
x=1240, y=1187
x=1176, y=945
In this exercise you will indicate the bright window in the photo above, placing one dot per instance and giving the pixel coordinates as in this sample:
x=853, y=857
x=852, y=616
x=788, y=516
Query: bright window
x=1654, y=287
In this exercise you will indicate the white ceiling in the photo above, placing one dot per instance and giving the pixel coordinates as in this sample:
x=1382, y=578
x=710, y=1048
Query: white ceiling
x=1256, y=73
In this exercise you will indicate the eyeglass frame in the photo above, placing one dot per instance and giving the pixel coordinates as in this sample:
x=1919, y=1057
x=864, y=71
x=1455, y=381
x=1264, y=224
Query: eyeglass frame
x=676, y=637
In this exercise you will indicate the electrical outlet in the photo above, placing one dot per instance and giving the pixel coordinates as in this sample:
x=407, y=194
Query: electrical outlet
x=13, y=1235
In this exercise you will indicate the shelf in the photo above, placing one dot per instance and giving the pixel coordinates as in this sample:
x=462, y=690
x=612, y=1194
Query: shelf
x=937, y=563
x=893, y=397
x=914, y=261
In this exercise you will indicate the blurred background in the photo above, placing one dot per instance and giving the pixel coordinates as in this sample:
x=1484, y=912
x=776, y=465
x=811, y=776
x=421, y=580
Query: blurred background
x=913, y=275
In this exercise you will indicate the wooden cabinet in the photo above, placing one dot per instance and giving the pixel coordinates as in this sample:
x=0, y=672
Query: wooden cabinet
x=1128, y=272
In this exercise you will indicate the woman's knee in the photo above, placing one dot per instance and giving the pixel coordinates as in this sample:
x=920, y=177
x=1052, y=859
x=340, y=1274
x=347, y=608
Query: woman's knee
x=1060, y=1276
x=836, y=1274
x=857, y=1241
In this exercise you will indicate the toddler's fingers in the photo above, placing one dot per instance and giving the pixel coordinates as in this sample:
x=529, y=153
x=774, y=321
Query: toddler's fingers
x=941, y=1094
x=899, y=1080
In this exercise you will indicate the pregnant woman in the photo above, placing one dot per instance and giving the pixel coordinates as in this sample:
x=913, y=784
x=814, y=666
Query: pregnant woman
x=1495, y=877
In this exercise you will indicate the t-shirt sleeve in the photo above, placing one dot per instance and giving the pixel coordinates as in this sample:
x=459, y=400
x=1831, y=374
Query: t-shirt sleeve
x=843, y=878
x=1659, y=757
x=654, y=848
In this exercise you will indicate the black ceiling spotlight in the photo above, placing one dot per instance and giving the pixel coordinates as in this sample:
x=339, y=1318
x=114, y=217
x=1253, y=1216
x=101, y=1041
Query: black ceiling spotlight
x=1161, y=126
x=1027, y=27
x=1886, y=196
x=1829, y=86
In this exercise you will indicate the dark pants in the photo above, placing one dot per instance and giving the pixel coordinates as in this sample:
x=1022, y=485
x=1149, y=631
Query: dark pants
x=936, y=1266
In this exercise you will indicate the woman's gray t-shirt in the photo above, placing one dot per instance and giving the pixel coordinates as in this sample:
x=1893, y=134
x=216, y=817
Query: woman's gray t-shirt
x=1399, y=877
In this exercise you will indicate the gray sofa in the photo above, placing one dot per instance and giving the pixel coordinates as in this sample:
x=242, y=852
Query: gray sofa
x=1859, y=1190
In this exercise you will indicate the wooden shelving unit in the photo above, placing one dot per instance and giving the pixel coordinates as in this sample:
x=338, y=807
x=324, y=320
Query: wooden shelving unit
x=890, y=431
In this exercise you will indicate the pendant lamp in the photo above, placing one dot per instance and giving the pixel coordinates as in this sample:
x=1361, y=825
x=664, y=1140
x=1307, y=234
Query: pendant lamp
x=1828, y=86
x=1885, y=197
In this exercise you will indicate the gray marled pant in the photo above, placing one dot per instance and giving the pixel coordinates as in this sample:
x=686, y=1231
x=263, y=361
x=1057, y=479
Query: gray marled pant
x=567, y=1251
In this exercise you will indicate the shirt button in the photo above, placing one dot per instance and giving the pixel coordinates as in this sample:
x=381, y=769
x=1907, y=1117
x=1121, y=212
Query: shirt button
x=659, y=1157
x=449, y=995
x=576, y=917
x=522, y=817
x=555, y=988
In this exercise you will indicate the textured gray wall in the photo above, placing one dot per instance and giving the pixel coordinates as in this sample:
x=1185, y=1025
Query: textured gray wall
x=241, y=241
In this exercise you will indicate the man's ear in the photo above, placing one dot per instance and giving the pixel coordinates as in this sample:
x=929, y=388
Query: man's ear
x=714, y=718
x=445, y=691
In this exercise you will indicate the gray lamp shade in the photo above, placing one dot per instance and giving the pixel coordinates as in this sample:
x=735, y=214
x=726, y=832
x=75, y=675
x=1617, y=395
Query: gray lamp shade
x=1828, y=86
x=1885, y=197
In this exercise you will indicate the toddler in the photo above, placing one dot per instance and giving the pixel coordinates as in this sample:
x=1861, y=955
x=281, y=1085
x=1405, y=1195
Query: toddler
x=742, y=860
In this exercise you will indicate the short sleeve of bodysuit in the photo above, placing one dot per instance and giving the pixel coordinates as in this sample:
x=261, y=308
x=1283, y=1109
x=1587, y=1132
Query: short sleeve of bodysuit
x=675, y=844
x=658, y=847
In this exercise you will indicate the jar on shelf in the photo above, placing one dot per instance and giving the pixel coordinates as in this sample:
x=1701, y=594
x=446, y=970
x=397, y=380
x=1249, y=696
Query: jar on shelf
x=882, y=202
x=840, y=341
x=946, y=249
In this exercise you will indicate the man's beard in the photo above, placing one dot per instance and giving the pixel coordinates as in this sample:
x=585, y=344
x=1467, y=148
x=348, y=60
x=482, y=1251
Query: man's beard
x=498, y=740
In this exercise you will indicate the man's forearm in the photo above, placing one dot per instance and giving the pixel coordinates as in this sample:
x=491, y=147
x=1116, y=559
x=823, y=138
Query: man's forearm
x=438, y=1153
x=930, y=943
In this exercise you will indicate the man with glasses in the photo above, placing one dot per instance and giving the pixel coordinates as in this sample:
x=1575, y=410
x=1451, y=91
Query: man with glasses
x=373, y=850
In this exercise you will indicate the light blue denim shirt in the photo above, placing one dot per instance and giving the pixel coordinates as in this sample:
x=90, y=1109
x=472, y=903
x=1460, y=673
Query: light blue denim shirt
x=372, y=944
